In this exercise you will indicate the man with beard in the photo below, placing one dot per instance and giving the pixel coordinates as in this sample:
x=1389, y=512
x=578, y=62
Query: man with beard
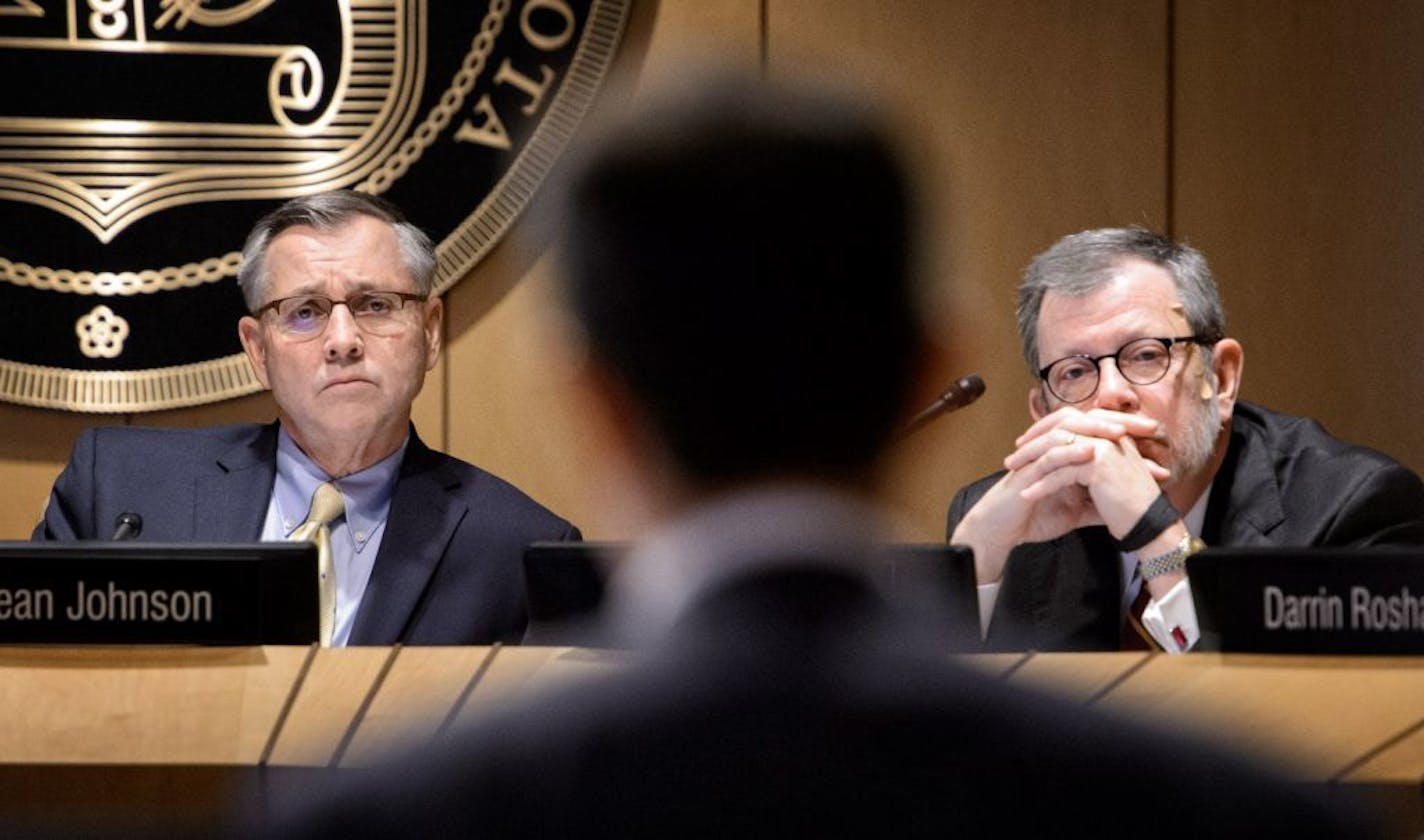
x=1141, y=454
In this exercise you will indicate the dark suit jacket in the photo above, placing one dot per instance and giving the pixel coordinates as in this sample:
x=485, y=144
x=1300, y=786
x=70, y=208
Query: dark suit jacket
x=1284, y=482
x=449, y=571
x=788, y=704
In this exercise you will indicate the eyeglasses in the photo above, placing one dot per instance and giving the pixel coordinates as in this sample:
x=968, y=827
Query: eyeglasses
x=1141, y=361
x=306, y=316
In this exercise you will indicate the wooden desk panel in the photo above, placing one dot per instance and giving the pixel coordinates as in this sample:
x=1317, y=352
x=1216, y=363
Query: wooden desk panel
x=992, y=664
x=1399, y=761
x=421, y=693
x=512, y=673
x=1079, y=676
x=109, y=713
x=325, y=704
x=131, y=705
x=1317, y=715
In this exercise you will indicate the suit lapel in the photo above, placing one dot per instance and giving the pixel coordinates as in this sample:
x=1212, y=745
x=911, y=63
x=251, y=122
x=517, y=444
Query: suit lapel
x=230, y=503
x=1245, y=503
x=423, y=518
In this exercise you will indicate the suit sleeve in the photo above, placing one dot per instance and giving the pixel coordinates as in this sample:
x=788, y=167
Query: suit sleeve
x=958, y=506
x=966, y=498
x=69, y=515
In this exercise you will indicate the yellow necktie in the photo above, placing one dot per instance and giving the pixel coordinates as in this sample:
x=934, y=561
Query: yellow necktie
x=326, y=505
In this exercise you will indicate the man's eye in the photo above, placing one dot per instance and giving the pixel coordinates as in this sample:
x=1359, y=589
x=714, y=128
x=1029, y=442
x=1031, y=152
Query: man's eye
x=1073, y=370
x=1146, y=355
x=304, y=311
x=371, y=305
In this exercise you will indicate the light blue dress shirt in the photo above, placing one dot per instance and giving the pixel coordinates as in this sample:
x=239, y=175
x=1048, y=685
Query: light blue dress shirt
x=355, y=536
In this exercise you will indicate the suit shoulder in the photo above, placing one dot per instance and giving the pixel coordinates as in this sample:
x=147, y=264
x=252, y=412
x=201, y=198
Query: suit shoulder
x=228, y=432
x=150, y=439
x=1303, y=443
x=489, y=492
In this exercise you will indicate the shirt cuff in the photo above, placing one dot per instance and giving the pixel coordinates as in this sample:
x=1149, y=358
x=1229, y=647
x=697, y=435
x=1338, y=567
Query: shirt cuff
x=1172, y=621
x=988, y=596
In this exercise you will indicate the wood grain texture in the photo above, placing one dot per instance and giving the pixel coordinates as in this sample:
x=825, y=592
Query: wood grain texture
x=1300, y=137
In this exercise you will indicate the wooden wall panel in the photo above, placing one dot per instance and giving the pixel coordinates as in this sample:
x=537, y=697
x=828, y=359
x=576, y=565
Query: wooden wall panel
x=34, y=445
x=1028, y=120
x=1294, y=164
x=1300, y=172
x=510, y=409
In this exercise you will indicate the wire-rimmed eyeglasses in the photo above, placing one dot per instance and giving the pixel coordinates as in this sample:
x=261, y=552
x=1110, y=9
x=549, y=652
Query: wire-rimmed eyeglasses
x=306, y=316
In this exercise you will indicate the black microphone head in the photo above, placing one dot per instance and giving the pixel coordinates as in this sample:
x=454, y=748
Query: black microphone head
x=964, y=391
x=970, y=388
x=127, y=526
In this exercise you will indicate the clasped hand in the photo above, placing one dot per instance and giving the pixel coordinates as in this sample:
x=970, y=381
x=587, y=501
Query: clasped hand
x=1070, y=469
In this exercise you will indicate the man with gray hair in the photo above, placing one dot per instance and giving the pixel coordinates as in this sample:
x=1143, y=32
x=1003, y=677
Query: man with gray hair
x=422, y=548
x=1141, y=453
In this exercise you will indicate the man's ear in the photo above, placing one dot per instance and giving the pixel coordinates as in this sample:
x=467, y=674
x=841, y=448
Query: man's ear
x=1037, y=407
x=434, y=334
x=1227, y=362
x=249, y=332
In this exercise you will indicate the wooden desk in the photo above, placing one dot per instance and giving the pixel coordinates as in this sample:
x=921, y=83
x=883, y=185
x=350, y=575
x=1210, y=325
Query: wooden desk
x=127, y=732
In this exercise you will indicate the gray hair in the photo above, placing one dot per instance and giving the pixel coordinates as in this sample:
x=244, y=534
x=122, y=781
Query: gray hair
x=1081, y=263
x=326, y=212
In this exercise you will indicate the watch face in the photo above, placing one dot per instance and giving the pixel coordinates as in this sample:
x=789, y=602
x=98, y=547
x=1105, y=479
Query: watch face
x=140, y=139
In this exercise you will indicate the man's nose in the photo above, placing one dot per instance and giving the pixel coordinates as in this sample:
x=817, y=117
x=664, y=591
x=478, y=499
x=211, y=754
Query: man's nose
x=343, y=338
x=1114, y=391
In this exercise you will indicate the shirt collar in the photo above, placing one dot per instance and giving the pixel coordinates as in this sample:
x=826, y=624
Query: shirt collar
x=366, y=494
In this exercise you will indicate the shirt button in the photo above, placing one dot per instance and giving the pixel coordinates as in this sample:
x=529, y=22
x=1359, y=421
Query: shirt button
x=360, y=536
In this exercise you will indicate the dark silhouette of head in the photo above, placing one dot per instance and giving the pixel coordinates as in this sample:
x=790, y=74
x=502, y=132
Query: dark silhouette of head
x=741, y=261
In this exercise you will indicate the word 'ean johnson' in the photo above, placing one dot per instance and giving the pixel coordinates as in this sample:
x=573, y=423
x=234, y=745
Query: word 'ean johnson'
x=108, y=603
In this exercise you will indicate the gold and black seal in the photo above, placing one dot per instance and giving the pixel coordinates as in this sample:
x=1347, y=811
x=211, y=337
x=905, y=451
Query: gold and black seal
x=139, y=139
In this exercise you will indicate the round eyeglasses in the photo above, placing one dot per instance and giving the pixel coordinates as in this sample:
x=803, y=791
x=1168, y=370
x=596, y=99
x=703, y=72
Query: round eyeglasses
x=306, y=316
x=1141, y=361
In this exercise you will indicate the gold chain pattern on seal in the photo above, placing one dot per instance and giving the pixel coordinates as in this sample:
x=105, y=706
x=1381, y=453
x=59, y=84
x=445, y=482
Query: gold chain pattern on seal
x=111, y=283
x=452, y=100
x=189, y=275
x=114, y=391
x=231, y=376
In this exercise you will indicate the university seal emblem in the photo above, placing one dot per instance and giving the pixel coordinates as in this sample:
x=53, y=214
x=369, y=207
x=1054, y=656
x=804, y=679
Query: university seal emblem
x=139, y=140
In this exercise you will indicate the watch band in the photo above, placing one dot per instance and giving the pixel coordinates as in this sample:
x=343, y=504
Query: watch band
x=1172, y=560
x=1158, y=517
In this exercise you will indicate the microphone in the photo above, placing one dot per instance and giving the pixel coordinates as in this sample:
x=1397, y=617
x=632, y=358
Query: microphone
x=127, y=526
x=963, y=392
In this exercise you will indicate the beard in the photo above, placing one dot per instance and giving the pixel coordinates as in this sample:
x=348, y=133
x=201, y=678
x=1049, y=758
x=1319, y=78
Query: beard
x=1195, y=444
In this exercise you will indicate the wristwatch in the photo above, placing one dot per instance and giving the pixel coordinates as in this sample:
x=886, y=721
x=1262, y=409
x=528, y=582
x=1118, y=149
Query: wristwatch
x=1172, y=560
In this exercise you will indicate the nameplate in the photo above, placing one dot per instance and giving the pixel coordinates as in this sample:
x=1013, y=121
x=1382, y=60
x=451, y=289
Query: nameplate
x=1322, y=600
x=150, y=593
